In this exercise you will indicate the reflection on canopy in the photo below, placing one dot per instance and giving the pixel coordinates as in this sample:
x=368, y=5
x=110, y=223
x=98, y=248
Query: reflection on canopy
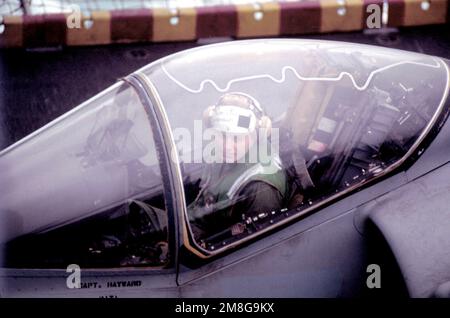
x=346, y=114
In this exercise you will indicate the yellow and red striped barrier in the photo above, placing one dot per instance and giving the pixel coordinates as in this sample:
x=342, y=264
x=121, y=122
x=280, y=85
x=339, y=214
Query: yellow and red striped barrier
x=418, y=12
x=267, y=19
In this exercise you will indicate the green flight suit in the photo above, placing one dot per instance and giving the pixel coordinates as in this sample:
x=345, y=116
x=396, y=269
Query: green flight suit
x=229, y=190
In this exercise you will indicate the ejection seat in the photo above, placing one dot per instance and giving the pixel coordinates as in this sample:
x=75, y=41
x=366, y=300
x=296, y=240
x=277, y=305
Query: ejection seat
x=297, y=149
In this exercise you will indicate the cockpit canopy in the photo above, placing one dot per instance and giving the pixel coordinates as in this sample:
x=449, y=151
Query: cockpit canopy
x=331, y=118
x=341, y=114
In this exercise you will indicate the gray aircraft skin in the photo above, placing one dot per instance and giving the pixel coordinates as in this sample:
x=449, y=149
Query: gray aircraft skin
x=371, y=124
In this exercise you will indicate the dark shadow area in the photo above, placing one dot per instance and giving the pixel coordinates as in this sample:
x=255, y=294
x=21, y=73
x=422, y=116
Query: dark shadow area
x=379, y=253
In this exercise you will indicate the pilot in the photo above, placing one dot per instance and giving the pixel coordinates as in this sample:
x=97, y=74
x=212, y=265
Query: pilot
x=239, y=186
